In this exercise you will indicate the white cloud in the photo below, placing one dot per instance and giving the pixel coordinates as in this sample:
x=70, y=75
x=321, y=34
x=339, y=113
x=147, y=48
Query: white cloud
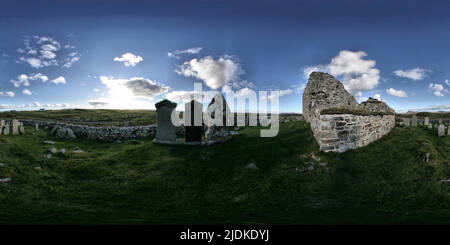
x=214, y=72
x=176, y=54
x=135, y=92
x=96, y=90
x=414, y=74
x=59, y=80
x=447, y=82
x=397, y=93
x=437, y=89
x=24, y=80
x=26, y=91
x=43, y=52
x=357, y=73
x=7, y=93
x=378, y=97
x=129, y=59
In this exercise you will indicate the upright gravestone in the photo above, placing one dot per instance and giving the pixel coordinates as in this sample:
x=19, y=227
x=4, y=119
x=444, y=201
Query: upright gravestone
x=441, y=130
x=427, y=121
x=430, y=126
x=193, y=118
x=21, y=128
x=406, y=122
x=6, y=129
x=15, y=127
x=36, y=127
x=414, y=121
x=448, y=133
x=218, y=119
x=165, y=132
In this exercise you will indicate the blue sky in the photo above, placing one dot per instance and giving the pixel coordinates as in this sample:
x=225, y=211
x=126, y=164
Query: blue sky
x=131, y=54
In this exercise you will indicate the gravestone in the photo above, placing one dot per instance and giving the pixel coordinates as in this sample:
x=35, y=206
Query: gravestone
x=36, y=127
x=414, y=121
x=15, y=127
x=6, y=129
x=2, y=123
x=441, y=130
x=193, y=118
x=218, y=104
x=166, y=130
x=430, y=126
x=427, y=121
x=406, y=122
x=440, y=120
x=21, y=129
x=448, y=133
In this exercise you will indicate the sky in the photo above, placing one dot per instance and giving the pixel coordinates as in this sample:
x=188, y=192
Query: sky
x=132, y=54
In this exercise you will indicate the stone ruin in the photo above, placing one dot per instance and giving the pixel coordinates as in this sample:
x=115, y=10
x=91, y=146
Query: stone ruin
x=16, y=129
x=338, y=122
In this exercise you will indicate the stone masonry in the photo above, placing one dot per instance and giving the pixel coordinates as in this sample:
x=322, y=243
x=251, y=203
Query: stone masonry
x=341, y=132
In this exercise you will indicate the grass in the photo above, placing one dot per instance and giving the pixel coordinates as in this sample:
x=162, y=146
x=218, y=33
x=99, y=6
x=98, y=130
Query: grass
x=93, y=117
x=385, y=182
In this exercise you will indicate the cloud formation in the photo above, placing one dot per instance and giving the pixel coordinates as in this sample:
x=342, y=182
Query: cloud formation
x=26, y=91
x=214, y=72
x=7, y=93
x=397, y=93
x=41, y=52
x=129, y=59
x=414, y=74
x=59, y=80
x=25, y=80
x=357, y=74
x=176, y=54
x=437, y=89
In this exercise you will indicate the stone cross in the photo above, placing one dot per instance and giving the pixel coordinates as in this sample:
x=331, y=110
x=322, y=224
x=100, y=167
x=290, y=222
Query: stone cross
x=406, y=122
x=166, y=130
x=427, y=121
x=414, y=121
x=193, y=119
x=15, y=127
x=441, y=130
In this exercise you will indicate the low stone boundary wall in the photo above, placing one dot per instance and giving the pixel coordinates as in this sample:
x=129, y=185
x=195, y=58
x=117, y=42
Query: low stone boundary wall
x=101, y=133
x=341, y=132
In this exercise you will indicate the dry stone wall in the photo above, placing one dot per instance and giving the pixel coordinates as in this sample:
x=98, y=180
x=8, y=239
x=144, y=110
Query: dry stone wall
x=340, y=132
x=97, y=133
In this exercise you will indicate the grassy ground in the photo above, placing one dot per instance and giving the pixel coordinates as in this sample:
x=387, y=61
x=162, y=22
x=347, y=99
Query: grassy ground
x=99, y=117
x=140, y=182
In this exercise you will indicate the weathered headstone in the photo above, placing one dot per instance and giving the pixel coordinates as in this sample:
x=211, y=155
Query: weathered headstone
x=441, y=130
x=414, y=121
x=2, y=123
x=21, y=130
x=427, y=121
x=406, y=122
x=15, y=127
x=218, y=118
x=448, y=133
x=166, y=130
x=36, y=127
x=6, y=129
x=193, y=118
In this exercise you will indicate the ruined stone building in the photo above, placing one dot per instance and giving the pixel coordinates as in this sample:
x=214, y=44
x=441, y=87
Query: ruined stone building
x=338, y=122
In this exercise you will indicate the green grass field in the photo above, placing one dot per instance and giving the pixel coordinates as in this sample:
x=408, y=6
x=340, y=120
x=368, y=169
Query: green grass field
x=93, y=117
x=136, y=182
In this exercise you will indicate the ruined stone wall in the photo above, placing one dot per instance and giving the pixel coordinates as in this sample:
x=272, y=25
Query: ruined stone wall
x=101, y=133
x=342, y=132
x=356, y=126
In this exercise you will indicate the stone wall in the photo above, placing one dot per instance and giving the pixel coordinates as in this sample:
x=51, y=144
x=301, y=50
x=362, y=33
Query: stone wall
x=342, y=132
x=101, y=133
x=356, y=126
